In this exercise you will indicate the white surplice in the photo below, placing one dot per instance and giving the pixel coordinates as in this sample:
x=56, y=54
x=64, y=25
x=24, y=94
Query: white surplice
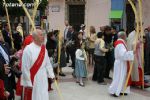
x=120, y=69
x=40, y=85
x=138, y=57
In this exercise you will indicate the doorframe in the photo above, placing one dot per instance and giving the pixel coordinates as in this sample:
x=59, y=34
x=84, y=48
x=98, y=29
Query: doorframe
x=70, y=2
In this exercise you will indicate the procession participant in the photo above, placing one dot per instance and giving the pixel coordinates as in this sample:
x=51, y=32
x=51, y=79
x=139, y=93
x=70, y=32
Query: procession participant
x=121, y=66
x=18, y=55
x=36, y=69
x=137, y=72
x=80, y=62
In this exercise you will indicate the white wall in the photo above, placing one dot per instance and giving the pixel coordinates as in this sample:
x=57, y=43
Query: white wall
x=56, y=19
x=98, y=13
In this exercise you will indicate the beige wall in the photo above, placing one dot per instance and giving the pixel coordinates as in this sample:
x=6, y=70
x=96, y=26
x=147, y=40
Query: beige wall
x=98, y=13
x=56, y=19
x=146, y=13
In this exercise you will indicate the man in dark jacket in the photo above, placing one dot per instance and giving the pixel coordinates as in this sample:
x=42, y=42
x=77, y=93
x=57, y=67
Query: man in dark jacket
x=9, y=78
x=6, y=35
x=108, y=38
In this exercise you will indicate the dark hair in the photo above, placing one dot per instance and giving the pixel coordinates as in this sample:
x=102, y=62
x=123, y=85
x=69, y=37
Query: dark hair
x=114, y=27
x=92, y=29
x=121, y=30
x=146, y=29
x=100, y=34
x=50, y=34
x=78, y=41
x=78, y=44
x=56, y=32
x=107, y=28
x=38, y=27
x=5, y=25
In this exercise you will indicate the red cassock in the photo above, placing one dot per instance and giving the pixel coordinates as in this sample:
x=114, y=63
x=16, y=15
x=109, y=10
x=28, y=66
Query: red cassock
x=2, y=90
x=26, y=42
x=27, y=94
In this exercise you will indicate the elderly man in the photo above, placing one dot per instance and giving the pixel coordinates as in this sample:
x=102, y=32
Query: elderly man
x=36, y=69
x=121, y=65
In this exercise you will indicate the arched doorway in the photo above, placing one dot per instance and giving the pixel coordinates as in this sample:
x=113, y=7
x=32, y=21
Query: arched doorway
x=130, y=18
x=75, y=13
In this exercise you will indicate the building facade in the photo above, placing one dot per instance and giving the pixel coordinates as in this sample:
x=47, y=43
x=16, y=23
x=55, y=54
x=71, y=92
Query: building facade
x=92, y=13
x=77, y=12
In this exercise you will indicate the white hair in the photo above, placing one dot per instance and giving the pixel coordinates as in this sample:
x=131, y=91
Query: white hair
x=121, y=34
x=35, y=32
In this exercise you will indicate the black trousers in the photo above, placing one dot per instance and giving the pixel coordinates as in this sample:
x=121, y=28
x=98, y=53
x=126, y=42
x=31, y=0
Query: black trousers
x=73, y=59
x=109, y=62
x=10, y=85
x=99, y=69
x=71, y=51
x=147, y=60
x=91, y=54
x=67, y=52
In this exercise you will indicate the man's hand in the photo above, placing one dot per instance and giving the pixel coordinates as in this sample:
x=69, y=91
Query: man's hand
x=51, y=80
x=7, y=94
x=106, y=50
x=134, y=52
x=88, y=37
x=6, y=68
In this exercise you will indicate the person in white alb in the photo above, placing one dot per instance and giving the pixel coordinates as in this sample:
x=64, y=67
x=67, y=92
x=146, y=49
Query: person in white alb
x=36, y=69
x=121, y=66
x=137, y=75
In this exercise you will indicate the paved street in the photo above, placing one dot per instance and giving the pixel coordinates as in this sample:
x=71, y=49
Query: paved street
x=92, y=91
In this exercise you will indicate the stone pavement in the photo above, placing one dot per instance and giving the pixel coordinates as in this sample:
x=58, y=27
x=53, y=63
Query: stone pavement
x=92, y=91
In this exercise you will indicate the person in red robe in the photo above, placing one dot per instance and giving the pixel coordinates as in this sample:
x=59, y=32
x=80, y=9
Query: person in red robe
x=26, y=42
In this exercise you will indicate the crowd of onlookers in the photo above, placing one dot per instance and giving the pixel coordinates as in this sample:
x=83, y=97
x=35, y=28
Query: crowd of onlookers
x=94, y=48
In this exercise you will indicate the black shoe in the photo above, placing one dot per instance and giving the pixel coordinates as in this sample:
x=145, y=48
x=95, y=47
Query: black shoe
x=114, y=95
x=108, y=78
x=70, y=66
x=62, y=74
x=102, y=83
x=67, y=61
x=146, y=81
x=147, y=73
x=146, y=85
x=94, y=79
x=81, y=84
x=124, y=94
